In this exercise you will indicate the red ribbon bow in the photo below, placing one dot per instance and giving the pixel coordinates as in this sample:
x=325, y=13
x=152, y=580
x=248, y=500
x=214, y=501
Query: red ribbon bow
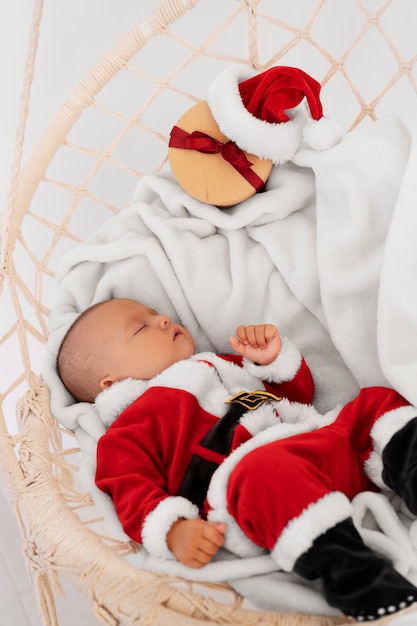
x=230, y=152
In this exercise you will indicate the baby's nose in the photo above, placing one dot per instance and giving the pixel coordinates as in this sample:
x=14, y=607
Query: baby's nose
x=164, y=321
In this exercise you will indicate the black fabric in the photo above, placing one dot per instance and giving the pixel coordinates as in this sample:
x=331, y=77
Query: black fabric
x=219, y=439
x=399, y=459
x=196, y=481
x=355, y=580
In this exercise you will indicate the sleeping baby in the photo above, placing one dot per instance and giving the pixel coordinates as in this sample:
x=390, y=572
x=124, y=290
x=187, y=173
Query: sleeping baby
x=207, y=450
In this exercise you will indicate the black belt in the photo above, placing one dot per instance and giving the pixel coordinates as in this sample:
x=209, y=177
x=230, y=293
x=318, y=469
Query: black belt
x=218, y=439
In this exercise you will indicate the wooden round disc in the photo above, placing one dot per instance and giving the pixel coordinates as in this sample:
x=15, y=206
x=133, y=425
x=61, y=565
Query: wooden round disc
x=209, y=177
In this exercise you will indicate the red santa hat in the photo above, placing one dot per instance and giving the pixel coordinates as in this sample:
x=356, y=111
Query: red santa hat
x=272, y=113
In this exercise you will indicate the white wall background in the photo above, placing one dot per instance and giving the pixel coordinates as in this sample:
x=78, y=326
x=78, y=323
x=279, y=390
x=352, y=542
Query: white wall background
x=73, y=36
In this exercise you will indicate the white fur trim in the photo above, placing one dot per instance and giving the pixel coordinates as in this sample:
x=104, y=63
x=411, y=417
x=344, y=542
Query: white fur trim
x=322, y=134
x=373, y=469
x=283, y=369
x=229, y=377
x=115, y=399
x=235, y=539
x=277, y=142
x=212, y=386
x=160, y=520
x=298, y=536
x=261, y=418
x=382, y=432
x=388, y=424
x=298, y=413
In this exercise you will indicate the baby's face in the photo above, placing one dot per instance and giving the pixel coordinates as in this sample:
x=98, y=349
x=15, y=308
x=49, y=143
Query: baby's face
x=139, y=342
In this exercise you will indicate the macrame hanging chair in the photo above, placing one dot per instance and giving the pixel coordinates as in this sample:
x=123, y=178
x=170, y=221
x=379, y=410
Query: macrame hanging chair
x=112, y=129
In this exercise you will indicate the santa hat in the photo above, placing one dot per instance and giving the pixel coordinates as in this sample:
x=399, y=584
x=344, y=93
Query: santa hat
x=272, y=113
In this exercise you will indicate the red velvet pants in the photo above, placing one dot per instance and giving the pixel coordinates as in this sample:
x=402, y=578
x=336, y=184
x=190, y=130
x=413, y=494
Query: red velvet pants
x=276, y=482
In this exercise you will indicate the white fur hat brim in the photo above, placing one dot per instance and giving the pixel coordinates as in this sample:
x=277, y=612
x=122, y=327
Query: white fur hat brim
x=278, y=142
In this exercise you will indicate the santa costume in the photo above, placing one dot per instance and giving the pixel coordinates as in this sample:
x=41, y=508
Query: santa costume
x=280, y=475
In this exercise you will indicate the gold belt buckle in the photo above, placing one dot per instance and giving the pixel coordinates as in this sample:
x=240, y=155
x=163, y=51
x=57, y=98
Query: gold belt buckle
x=252, y=400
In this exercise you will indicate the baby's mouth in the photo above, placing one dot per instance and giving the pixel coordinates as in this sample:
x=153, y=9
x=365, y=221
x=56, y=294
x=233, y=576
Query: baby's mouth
x=177, y=333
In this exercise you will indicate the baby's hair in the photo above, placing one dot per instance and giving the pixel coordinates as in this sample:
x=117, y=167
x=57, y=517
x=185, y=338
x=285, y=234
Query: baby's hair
x=75, y=362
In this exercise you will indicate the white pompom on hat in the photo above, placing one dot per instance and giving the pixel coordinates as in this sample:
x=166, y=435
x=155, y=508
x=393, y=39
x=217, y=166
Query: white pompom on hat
x=270, y=114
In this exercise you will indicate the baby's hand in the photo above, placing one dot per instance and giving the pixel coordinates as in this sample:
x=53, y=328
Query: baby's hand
x=260, y=344
x=195, y=541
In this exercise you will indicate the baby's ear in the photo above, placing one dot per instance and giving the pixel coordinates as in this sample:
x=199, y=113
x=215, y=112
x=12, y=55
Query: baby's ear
x=106, y=382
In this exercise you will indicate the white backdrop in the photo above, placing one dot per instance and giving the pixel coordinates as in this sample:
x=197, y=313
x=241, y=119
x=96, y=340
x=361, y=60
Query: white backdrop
x=73, y=36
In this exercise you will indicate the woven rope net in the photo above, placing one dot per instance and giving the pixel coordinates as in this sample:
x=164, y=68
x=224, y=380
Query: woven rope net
x=111, y=130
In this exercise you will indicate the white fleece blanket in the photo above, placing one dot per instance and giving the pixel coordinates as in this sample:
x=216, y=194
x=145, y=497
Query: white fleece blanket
x=328, y=252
